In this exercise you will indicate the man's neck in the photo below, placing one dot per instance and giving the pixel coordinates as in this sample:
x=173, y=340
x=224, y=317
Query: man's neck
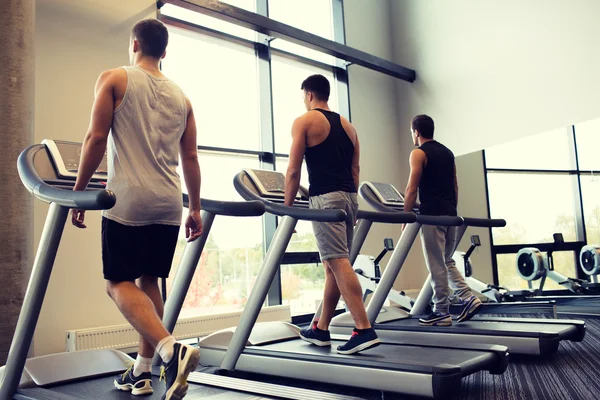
x=321, y=105
x=148, y=64
x=422, y=141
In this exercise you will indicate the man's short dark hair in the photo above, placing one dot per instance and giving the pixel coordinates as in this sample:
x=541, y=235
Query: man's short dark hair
x=423, y=124
x=153, y=37
x=318, y=85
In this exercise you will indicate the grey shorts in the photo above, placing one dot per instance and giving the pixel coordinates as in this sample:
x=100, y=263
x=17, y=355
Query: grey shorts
x=334, y=239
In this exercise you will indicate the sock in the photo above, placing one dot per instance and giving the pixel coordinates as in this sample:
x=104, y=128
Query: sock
x=142, y=364
x=361, y=331
x=319, y=330
x=165, y=348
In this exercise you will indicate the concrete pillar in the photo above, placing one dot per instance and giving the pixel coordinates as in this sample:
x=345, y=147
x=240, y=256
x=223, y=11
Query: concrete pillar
x=17, y=20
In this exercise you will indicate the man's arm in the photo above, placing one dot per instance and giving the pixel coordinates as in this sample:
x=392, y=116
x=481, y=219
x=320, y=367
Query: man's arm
x=188, y=150
x=94, y=144
x=356, y=163
x=417, y=162
x=455, y=184
x=292, y=176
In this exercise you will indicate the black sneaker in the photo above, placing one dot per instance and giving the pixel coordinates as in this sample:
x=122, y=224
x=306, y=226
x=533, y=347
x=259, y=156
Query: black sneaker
x=136, y=385
x=316, y=336
x=360, y=342
x=185, y=360
x=472, y=304
x=436, y=319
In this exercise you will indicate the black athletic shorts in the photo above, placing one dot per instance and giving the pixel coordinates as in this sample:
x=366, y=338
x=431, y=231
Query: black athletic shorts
x=128, y=252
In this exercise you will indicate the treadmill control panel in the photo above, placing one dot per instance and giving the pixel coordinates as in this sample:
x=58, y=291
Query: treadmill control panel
x=271, y=184
x=387, y=194
x=66, y=156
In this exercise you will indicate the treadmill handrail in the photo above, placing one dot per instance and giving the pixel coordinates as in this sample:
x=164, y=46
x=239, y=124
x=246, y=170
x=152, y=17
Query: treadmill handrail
x=484, y=222
x=85, y=200
x=387, y=217
x=229, y=208
x=281, y=210
x=439, y=220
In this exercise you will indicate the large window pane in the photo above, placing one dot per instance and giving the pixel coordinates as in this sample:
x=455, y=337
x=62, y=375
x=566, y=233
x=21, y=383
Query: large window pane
x=314, y=16
x=590, y=191
x=564, y=262
x=220, y=79
x=535, y=206
x=587, y=135
x=234, y=251
x=549, y=151
x=214, y=23
x=287, y=77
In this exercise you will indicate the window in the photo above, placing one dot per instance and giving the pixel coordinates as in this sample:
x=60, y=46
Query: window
x=590, y=190
x=314, y=16
x=564, y=262
x=548, y=151
x=287, y=78
x=221, y=77
x=234, y=250
x=535, y=206
x=587, y=135
x=213, y=23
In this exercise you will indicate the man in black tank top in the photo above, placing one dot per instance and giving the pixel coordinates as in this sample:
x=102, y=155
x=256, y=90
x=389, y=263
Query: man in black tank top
x=330, y=145
x=433, y=175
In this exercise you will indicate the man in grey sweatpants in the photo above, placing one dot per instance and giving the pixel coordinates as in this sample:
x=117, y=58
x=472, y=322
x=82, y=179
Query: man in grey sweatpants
x=433, y=175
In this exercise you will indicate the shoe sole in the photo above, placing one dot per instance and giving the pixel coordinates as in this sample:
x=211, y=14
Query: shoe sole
x=128, y=387
x=316, y=342
x=365, y=346
x=469, y=312
x=179, y=389
x=437, y=323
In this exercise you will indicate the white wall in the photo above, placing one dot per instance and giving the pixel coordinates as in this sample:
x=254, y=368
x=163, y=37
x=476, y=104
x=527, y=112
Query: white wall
x=492, y=71
x=384, y=138
x=472, y=202
x=75, y=42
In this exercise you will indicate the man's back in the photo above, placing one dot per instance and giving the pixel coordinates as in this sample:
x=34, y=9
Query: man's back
x=437, y=192
x=143, y=150
x=330, y=151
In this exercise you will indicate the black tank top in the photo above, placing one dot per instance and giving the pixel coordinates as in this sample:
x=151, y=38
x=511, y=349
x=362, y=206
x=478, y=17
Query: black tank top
x=436, y=189
x=329, y=163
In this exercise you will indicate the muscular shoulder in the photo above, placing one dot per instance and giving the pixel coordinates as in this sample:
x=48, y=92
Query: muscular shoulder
x=418, y=156
x=113, y=79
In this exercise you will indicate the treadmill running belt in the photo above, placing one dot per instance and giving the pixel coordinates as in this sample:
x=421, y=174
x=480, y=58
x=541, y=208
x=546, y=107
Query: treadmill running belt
x=385, y=356
x=495, y=328
x=103, y=388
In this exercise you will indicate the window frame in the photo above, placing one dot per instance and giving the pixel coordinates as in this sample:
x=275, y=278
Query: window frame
x=580, y=231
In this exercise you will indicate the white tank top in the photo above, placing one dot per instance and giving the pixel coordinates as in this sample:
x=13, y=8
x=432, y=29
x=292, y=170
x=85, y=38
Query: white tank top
x=143, y=151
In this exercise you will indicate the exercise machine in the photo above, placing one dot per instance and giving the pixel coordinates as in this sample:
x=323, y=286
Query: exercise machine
x=48, y=171
x=275, y=348
x=520, y=335
x=369, y=274
x=532, y=265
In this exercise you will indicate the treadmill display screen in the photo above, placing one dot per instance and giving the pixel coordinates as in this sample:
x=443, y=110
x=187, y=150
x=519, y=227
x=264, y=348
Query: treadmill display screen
x=71, y=154
x=388, y=193
x=270, y=183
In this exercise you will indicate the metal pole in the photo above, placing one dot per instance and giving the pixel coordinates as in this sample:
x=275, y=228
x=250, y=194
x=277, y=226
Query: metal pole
x=34, y=298
x=423, y=299
x=259, y=293
x=183, y=278
x=392, y=270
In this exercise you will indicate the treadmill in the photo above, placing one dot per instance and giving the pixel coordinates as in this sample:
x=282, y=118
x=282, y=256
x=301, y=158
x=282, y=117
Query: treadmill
x=48, y=171
x=521, y=335
x=275, y=348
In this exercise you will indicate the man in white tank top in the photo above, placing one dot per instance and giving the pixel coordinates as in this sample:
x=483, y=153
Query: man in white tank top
x=146, y=123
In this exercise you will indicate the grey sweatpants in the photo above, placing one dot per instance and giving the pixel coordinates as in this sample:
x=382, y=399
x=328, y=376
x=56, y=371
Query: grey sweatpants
x=439, y=243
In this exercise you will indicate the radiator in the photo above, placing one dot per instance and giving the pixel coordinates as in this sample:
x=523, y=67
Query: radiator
x=124, y=337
